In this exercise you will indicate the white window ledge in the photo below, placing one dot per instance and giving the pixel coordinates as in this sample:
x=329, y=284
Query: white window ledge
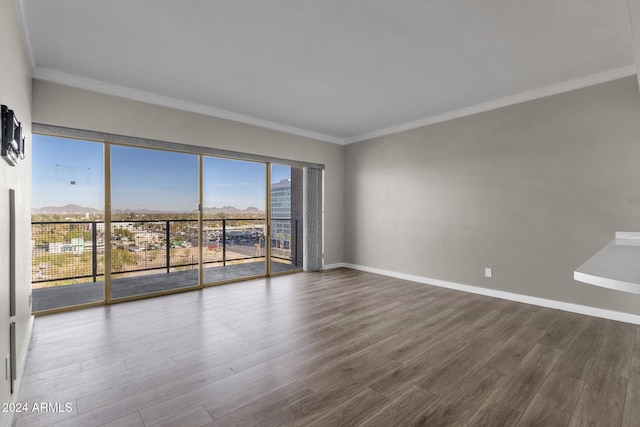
x=616, y=266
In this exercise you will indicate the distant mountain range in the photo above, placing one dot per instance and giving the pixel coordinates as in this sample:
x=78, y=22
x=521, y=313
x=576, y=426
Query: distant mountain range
x=72, y=209
x=231, y=209
x=67, y=209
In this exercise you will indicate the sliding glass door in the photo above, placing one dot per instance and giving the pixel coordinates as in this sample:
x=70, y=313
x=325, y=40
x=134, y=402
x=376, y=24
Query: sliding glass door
x=67, y=225
x=286, y=219
x=234, y=219
x=154, y=221
x=117, y=222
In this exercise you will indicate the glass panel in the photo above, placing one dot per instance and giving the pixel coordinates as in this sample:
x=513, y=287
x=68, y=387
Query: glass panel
x=286, y=218
x=234, y=204
x=67, y=230
x=154, y=229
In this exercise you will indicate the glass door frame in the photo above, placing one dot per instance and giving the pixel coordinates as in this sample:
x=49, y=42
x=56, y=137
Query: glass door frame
x=270, y=218
x=108, y=141
x=108, y=226
x=266, y=272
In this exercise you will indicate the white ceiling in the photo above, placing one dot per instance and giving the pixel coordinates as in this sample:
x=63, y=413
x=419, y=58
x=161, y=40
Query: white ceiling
x=337, y=70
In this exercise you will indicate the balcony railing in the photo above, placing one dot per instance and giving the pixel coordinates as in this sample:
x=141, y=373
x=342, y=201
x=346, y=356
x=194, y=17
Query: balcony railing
x=73, y=251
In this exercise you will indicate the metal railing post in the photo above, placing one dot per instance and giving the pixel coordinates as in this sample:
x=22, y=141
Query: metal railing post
x=294, y=249
x=168, y=246
x=94, y=247
x=224, y=242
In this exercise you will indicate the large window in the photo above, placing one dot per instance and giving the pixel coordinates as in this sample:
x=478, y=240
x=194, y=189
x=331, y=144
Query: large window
x=154, y=221
x=113, y=222
x=67, y=210
x=286, y=218
x=234, y=219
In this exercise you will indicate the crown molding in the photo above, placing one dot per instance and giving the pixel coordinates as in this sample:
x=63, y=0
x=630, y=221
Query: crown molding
x=137, y=95
x=150, y=98
x=22, y=18
x=614, y=74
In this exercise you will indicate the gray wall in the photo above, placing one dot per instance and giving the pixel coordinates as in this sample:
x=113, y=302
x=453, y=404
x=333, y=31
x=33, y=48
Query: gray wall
x=60, y=105
x=532, y=190
x=15, y=92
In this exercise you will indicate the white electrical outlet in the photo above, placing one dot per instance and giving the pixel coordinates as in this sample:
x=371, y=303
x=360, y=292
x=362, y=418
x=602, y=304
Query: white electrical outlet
x=488, y=272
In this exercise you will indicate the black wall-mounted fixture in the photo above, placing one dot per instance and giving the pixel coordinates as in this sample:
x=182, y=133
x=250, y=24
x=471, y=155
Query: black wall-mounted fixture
x=12, y=136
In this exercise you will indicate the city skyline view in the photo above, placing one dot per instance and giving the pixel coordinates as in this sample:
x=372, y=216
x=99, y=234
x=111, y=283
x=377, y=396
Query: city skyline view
x=68, y=171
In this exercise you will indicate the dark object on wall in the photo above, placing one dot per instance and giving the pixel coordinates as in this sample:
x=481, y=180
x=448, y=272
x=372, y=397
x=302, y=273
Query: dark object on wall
x=12, y=137
x=12, y=287
x=12, y=252
x=13, y=355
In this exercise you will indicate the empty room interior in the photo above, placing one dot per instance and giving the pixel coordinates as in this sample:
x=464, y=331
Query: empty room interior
x=320, y=213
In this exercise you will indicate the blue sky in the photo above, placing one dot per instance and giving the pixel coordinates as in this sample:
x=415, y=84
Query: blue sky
x=70, y=171
x=59, y=162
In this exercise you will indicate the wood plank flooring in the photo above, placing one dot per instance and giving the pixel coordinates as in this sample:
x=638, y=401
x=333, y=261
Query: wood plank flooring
x=333, y=348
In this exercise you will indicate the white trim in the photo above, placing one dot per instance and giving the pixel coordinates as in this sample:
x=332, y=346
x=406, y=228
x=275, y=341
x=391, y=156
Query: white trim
x=150, y=98
x=332, y=266
x=605, y=282
x=616, y=73
x=22, y=16
x=137, y=95
x=542, y=302
x=22, y=362
x=627, y=235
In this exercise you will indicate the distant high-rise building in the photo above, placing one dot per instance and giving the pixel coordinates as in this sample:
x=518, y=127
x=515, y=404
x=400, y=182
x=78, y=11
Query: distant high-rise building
x=281, y=209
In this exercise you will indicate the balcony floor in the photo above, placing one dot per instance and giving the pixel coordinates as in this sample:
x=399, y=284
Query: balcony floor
x=54, y=297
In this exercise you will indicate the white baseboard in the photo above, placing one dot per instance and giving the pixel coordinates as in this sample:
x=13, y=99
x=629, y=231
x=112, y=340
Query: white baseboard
x=542, y=302
x=22, y=362
x=332, y=266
